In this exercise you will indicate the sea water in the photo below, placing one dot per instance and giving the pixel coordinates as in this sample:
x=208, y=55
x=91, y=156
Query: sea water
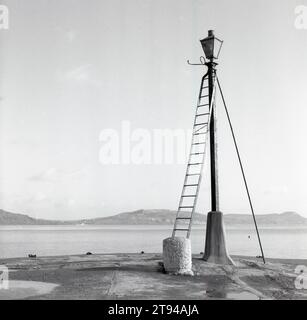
x=19, y=241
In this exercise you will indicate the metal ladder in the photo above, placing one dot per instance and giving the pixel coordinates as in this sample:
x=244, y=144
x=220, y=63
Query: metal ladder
x=192, y=180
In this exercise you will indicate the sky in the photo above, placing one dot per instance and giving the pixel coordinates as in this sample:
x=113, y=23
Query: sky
x=71, y=70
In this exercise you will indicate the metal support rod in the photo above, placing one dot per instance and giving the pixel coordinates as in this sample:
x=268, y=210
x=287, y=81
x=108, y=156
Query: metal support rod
x=213, y=140
x=242, y=170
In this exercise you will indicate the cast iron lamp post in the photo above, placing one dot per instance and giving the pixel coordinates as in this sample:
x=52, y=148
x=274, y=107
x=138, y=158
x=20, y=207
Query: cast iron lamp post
x=215, y=248
x=212, y=47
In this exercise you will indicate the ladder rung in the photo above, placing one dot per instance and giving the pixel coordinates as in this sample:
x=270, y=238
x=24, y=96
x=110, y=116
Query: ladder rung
x=205, y=87
x=193, y=174
x=201, y=124
x=189, y=196
x=198, y=143
x=190, y=185
x=199, y=133
x=194, y=164
x=203, y=114
x=183, y=218
x=203, y=105
x=186, y=207
x=205, y=96
x=181, y=229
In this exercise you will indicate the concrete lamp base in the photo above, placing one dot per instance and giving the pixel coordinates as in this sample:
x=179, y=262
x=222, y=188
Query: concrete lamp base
x=177, y=256
x=215, y=248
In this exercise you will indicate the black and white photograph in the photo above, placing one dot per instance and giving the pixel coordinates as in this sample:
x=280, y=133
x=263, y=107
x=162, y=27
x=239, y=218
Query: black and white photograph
x=153, y=150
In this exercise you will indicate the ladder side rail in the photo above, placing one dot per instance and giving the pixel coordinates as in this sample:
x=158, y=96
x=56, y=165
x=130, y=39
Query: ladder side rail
x=189, y=158
x=203, y=158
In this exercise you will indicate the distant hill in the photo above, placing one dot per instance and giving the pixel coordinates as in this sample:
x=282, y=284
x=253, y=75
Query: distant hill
x=282, y=219
x=8, y=218
x=157, y=217
x=144, y=217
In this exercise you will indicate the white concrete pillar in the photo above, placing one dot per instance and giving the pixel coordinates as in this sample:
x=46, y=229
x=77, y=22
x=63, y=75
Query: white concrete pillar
x=177, y=256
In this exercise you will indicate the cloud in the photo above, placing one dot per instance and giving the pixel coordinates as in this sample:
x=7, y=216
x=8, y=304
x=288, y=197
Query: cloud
x=279, y=190
x=53, y=174
x=39, y=196
x=70, y=35
x=81, y=75
x=67, y=34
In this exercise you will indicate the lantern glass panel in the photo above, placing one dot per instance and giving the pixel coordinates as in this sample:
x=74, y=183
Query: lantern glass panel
x=217, y=47
x=208, y=46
